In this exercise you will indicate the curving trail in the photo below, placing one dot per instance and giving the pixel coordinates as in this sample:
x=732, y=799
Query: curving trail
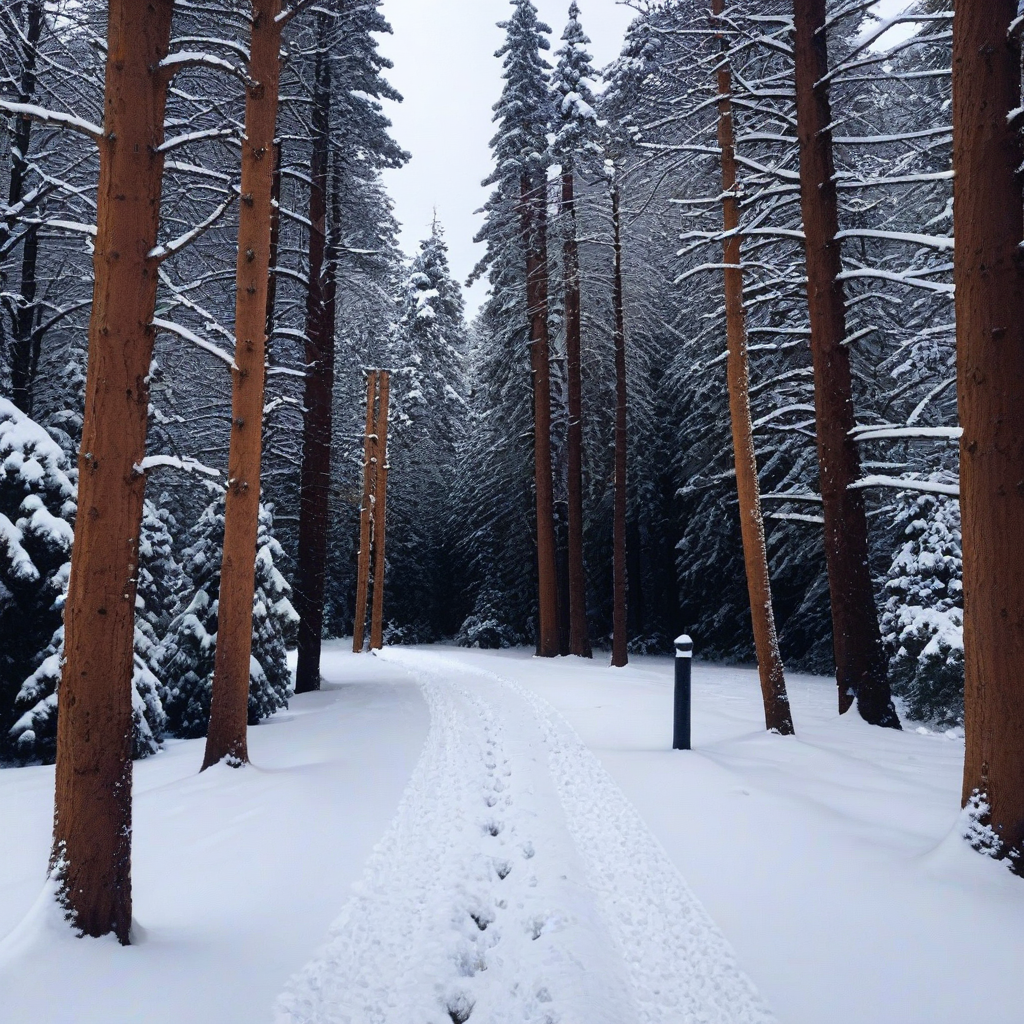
x=516, y=884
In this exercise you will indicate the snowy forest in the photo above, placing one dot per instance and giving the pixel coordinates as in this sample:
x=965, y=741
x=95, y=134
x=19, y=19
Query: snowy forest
x=731, y=378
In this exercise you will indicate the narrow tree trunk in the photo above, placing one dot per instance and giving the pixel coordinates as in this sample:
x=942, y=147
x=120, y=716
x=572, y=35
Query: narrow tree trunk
x=22, y=363
x=366, y=515
x=579, y=636
x=275, y=246
x=534, y=225
x=23, y=343
x=989, y=228
x=861, y=668
x=380, y=511
x=92, y=818
x=315, y=484
x=777, y=715
x=620, y=639
x=229, y=712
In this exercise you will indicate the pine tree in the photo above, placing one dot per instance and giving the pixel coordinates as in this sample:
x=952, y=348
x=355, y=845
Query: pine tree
x=922, y=618
x=187, y=654
x=988, y=215
x=34, y=734
x=226, y=737
x=428, y=420
x=351, y=145
x=516, y=319
x=37, y=498
x=860, y=661
x=575, y=148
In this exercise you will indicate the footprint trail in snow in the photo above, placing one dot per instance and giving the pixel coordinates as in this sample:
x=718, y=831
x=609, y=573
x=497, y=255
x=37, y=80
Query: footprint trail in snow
x=517, y=884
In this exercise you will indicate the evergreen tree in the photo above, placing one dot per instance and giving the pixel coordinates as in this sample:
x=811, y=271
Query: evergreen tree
x=511, y=330
x=574, y=148
x=922, y=618
x=572, y=82
x=186, y=655
x=34, y=734
x=37, y=505
x=428, y=419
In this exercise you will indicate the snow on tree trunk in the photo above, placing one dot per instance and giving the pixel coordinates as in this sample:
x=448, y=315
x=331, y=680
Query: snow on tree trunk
x=860, y=659
x=92, y=818
x=989, y=228
x=228, y=715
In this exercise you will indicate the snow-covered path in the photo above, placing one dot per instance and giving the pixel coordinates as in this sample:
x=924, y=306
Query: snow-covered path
x=517, y=883
x=829, y=860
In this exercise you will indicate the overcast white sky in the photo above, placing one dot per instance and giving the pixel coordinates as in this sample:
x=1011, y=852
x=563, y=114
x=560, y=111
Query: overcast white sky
x=445, y=68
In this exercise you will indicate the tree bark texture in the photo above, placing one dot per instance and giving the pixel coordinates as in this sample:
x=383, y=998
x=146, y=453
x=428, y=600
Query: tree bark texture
x=92, y=818
x=579, y=635
x=315, y=483
x=777, y=714
x=861, y=666
x=229, y=712
x=620, y=576
x=25, y=343
x=989, y=227
x=380, y=511
x=366, y=515
x=533, y=212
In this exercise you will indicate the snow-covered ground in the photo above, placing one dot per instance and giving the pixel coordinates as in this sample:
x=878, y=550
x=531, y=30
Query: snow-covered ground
x=534, y=868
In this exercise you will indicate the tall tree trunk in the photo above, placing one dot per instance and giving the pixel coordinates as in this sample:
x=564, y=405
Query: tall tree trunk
x=366, y=514
x=380, y=513
x=620, y=640
x=315, y=484
x=861, y=667
x=22, y=363
x=275, y=246
x=229, y=713
x=989, y=228
x=579, y=636
x=92, y=817
x=777, y=715
x=533, y=212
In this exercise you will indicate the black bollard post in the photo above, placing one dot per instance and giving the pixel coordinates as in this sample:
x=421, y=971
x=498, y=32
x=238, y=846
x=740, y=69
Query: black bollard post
x=684, y=664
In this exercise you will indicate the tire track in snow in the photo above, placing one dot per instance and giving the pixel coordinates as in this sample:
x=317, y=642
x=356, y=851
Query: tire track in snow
x=516, y=883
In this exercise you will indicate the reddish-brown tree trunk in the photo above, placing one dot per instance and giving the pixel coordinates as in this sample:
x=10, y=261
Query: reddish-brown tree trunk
x=777, y=714
x=229, y=712
x=380, y=512
x=861, y=667
x=989, y=228
x=533, y=200
x=92, y=819
x=315, y=482
x=579, y=635
x=366, y=515
x=620, y=575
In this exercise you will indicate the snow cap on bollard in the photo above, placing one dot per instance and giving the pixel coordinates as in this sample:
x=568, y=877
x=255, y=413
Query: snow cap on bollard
x=684, y=646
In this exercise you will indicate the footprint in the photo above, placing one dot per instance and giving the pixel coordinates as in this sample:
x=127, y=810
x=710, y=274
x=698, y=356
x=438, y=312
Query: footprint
x=459, y=1009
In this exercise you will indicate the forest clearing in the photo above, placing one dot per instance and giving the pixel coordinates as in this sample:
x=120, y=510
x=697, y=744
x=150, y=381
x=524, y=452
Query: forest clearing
x=507, y=523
